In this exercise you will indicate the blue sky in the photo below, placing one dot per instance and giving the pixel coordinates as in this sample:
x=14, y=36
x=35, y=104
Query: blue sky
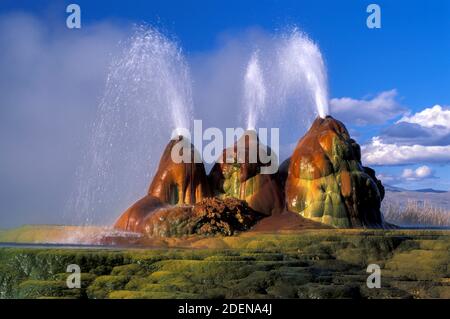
x=376, y=77
x=412, y=31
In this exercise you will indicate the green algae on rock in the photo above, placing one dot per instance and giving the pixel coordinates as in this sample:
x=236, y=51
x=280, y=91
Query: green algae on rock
x=236, y=174
x=326, y=181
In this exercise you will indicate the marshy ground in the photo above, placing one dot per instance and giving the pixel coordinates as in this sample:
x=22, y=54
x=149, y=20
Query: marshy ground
x=317, y=263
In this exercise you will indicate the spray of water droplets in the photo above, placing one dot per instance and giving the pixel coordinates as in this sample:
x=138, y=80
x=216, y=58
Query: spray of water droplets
x=285, y=76
x=301, y=68
x=255, y=91
x=147, y=96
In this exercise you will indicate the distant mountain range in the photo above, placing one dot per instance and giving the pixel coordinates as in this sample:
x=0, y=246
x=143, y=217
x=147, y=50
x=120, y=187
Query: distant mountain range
x=390, y=188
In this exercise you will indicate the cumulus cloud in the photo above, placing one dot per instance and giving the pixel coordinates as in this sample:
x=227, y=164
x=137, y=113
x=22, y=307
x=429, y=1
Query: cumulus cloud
x=378, y=152
x=384, y=106
x=404, y=133
x=429, y=127
x=408, y=176
x=430, y=117
x=407, y=131
x=414, y=139
x=388, y=179
x=419, y=173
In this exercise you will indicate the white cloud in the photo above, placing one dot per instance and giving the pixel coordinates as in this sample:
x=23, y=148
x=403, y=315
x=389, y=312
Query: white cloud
x=423, y=172
x=430, y=117
x=380, y=153
x=430, y=126
x=419, y=173
x=409, y=176
x=423, y=137
x=388, y=179
x=384, y=106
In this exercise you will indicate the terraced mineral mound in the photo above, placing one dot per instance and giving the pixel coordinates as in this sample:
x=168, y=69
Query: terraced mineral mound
x=326, y=181
x=237, y=175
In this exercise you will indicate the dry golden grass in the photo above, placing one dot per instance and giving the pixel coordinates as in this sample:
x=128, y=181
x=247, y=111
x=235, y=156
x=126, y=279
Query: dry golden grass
x=415, y=213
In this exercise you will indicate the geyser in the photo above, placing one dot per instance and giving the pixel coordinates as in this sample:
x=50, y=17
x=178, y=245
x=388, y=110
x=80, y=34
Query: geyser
x=301, y=67
x=147, y=96
x=285, y=84
x=254, y=91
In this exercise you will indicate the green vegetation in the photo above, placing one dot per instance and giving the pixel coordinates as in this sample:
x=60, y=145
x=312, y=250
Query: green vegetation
x=310, y=264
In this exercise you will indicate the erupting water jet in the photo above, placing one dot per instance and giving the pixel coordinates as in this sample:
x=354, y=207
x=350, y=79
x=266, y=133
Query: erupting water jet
x=301, y=67
x=254, y=92
x=147, y=96
x=286, y=78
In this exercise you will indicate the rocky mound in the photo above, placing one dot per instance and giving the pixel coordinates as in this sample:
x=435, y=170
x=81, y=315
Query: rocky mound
x=180, y=183
x=209, y=217
x=174, y=183
x=235, y=176
x=326, y=181
x=132, y=219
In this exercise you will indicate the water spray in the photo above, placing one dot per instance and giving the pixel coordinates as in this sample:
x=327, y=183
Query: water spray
x=301, y=67
x=254, y=91
x=147, y=96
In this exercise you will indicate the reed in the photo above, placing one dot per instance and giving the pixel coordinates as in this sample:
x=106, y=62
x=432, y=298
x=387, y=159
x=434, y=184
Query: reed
x=416, y=213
